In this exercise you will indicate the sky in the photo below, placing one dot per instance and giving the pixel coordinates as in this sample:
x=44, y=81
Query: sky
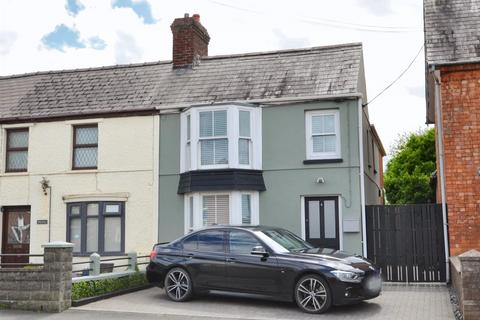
x=69, y=34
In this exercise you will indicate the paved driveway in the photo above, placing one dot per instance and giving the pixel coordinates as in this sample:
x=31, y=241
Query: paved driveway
x=396, y=302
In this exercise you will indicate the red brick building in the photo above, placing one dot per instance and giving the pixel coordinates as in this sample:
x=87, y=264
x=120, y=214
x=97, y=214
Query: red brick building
x=452, y=45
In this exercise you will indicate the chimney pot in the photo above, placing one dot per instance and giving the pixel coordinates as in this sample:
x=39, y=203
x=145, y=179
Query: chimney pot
x=196, y=17
x=186, y=15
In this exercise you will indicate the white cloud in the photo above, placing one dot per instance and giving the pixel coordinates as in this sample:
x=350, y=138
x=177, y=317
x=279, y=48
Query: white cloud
x=7, y=39
x=126, y=49
x=289, y=42
x=377, y=7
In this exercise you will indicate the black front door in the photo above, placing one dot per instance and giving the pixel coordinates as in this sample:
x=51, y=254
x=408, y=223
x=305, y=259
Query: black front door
x=247, y=272
x=321, y=222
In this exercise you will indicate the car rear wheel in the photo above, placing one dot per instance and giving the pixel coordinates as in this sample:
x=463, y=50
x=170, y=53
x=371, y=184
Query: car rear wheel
x=312, y=294
x=178, y=285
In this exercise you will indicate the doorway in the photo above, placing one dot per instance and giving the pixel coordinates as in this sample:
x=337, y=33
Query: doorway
x=15, y=236
x=322, y=222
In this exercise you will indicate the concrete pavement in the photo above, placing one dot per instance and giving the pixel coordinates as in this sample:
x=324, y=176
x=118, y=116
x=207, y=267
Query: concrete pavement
x=396, y=302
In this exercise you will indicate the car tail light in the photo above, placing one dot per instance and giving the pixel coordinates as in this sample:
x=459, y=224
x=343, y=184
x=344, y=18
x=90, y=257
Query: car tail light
x=153, y=254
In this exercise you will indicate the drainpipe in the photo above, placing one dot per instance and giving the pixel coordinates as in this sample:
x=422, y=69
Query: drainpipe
x=441, y=156
x=49, y=214
x=362, y=176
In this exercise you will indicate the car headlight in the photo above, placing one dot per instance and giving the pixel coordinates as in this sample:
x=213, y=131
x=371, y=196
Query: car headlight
x=347, y=276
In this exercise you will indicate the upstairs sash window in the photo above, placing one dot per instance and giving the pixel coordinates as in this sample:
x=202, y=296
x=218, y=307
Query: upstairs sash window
x=17, y=150
x=323, y=134
x=85, y=147
x=244, y=141
x=213, y=137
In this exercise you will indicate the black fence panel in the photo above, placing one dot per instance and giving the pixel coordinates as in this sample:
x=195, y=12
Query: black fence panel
x=407, y=242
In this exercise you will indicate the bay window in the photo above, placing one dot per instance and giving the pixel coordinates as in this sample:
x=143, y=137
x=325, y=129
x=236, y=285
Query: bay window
x=234, y=207
x=226, y=136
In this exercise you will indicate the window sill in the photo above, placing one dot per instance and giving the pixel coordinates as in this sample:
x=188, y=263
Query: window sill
x=322, y=161
x=14, y=173
x=83, y=171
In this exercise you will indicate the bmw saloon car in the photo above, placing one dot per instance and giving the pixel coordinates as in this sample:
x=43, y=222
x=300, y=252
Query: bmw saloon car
x=263, y=261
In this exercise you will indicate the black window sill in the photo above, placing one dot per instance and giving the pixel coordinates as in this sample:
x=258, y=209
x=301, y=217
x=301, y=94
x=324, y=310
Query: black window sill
x=322, y=161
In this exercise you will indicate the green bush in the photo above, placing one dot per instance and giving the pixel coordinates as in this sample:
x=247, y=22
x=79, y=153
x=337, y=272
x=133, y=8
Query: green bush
x=93, y=288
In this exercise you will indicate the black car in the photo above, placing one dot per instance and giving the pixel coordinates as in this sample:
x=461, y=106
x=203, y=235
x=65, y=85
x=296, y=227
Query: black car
x=262, y=260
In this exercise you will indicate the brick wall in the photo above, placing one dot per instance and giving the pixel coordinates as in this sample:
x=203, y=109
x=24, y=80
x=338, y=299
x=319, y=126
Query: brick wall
x=460, y=91
x=47, y=289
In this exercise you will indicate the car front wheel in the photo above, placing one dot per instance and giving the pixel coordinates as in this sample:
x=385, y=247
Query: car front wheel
x=312, y=294
x=178, y=285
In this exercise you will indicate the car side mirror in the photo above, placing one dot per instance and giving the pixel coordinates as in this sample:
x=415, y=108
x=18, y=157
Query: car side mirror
x=259, y=251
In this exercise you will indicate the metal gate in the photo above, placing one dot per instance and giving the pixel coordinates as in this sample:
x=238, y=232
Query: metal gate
x=407, y=242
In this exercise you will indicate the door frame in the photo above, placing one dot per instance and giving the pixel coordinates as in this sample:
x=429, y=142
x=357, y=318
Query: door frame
x=3, y=235
x=340, y=215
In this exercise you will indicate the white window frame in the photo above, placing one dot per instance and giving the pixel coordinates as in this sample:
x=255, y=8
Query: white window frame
x=250, y=139
x=233, y=136
x=199, y=139
x=311, y=155
x=235, y=208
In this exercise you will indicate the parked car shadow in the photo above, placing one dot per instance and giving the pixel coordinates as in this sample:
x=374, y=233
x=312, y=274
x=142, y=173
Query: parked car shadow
x=264, y=303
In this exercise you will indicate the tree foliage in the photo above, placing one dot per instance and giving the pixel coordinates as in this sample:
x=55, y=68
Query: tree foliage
x=408, y=173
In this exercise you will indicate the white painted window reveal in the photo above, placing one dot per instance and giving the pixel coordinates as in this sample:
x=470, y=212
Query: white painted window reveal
x=206, y=209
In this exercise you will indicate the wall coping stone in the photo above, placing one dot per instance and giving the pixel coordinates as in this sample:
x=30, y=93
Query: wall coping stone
x=456, y=263
x=58, y=244
x=470, y=255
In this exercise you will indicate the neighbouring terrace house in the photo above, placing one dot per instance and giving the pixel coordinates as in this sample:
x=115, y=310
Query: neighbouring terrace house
x=78, y=161
x=117, y=158
x=277, y=138
x=452, y=45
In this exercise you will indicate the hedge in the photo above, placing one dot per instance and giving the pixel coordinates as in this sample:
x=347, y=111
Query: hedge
x=93, y=288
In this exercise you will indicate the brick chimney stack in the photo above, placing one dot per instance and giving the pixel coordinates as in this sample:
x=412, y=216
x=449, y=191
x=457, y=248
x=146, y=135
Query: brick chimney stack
x=190, y=40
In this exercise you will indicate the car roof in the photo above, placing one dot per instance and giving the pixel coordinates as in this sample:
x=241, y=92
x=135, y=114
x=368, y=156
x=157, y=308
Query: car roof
x=241, y=227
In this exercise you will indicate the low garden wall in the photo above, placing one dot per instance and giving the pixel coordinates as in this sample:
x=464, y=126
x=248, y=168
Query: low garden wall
x=465, y=270
x=46, y=288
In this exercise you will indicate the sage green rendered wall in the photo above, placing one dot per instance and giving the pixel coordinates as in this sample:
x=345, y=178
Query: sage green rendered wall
x=170, y=220
x=287, y=179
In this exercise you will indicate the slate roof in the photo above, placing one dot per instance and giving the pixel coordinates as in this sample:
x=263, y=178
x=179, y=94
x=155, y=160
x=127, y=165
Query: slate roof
x=452, y=31
x=319, y=71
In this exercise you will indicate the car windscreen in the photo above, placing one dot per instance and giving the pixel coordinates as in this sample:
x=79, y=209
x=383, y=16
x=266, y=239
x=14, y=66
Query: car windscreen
x=287, y=240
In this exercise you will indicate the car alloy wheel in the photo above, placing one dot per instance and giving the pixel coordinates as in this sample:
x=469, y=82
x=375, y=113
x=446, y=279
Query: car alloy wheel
x=178, y=285
x=312, y=294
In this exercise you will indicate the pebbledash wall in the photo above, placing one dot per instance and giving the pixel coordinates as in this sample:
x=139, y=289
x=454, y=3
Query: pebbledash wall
x=460, y=94
x=287, y=179
x=127, y=171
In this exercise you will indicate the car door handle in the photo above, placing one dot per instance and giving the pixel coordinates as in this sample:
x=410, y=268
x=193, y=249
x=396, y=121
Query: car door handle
x=190, y=255
x=231, y=260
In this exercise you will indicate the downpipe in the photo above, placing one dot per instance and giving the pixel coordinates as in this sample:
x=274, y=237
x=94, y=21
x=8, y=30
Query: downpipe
x=362, y=177
x=441, y=156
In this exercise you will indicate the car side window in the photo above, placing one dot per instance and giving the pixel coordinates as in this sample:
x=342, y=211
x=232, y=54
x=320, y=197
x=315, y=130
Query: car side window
x=191, y=243
x=242, y=242
x=211, y=241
